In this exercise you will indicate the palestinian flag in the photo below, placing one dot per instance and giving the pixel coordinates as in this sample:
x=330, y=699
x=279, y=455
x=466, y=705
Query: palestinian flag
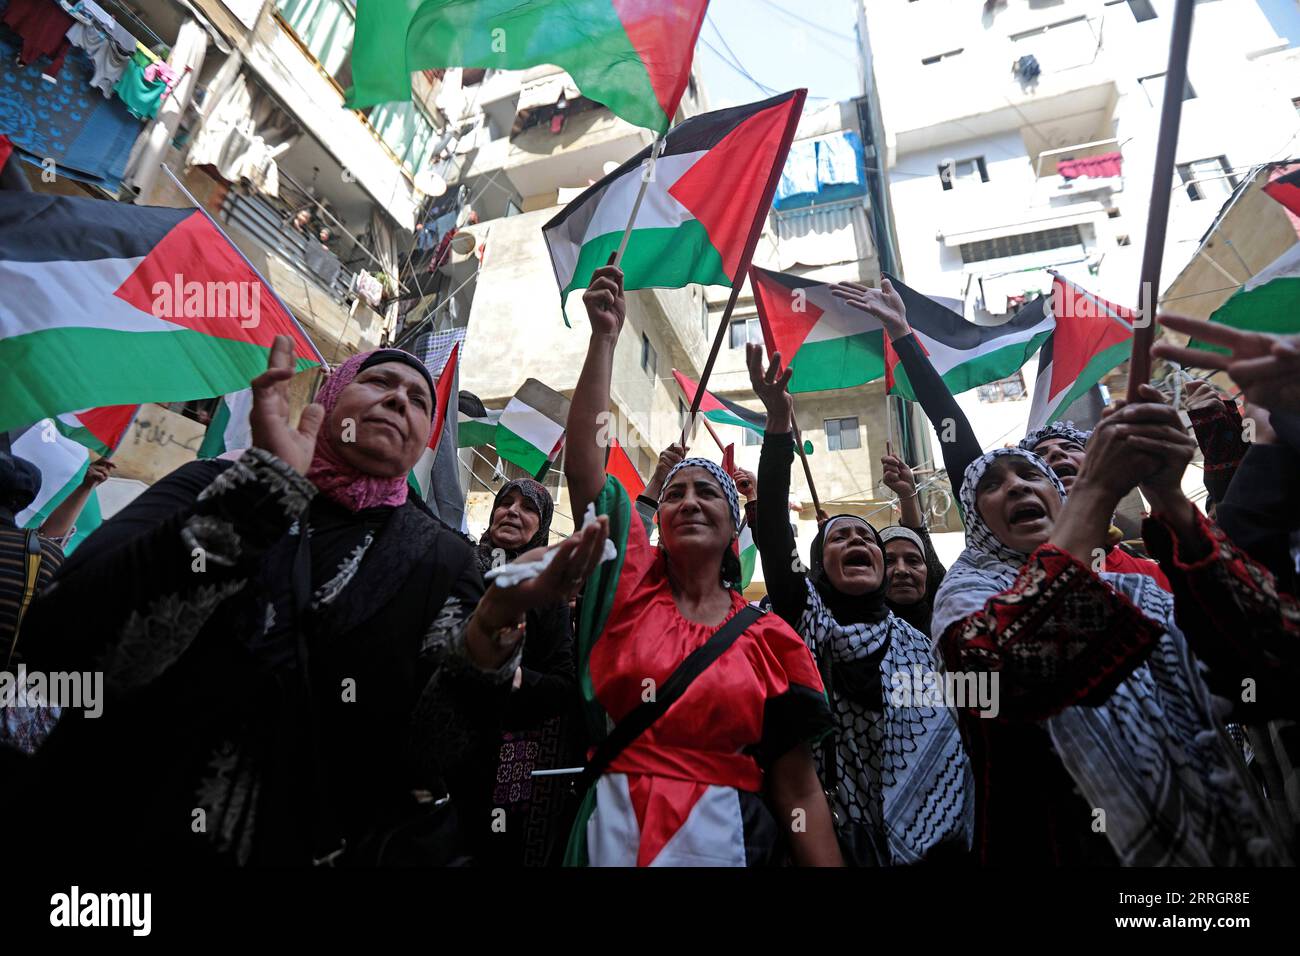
x=633, y=57
x=721, y=411
x=445, y=379
x=743, y=547
x=62, y=463
x=531, y=428
x=1286, y=190
x=1269, y=302
x=229, y=429
x=99, y=429
x=110, y=303
x=707, y=197
x=475, y=425
x=1091, y=337
x=833, y=345
x=620, y=466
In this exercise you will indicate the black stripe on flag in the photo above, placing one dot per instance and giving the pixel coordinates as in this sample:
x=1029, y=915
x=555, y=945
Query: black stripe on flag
x=37, y=227
x=932, y=319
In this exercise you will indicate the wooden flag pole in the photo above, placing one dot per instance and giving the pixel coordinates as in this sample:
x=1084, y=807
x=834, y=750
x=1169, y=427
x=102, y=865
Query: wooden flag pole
x=647, y=177
x=1161, y=189
x=709, y=425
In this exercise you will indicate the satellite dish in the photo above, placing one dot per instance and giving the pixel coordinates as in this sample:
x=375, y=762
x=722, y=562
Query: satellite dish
x=610, y=166
x=463, y=243
x=430, y=183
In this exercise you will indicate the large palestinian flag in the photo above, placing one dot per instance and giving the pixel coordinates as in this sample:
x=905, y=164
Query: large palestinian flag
x=109, y=303
x=1091, y=337
x=832, y=345
x=1268, y=302
x=721, y=411
x=632, y=56
x=707, y=198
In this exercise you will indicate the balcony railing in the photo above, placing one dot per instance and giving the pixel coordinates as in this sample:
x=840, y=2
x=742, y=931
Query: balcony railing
x=264, y=223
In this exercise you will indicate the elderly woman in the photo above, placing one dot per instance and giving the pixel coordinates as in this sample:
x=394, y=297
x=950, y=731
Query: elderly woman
x=899, y=776
x=687, y=789
x=1107, y=746
x=297, y=656
x=541, y=715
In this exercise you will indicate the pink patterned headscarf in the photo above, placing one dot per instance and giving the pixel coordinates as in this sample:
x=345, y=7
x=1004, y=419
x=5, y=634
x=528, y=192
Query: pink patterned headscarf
x=336, y=479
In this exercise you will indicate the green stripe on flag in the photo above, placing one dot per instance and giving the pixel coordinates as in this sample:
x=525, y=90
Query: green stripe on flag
x=520, y=451
x=990, y=367
x=655, y=258
x=182, y=365
x=842, y=362
x=1100, y=364
x=214, y=439
x=1273, y=308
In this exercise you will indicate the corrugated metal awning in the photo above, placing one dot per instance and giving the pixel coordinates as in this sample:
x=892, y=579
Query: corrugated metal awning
x=1040, y=220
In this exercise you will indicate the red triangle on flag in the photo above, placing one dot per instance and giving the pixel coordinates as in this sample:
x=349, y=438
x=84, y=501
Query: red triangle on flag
x=785, y=316
x=108, y=424
x=663, y=35
x=726, y=187
x=194, y=278
x=620, y=466
x=442, y=395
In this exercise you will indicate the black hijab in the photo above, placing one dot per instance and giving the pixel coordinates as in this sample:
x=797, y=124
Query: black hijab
x=866, y=608
x=539, y=499
x=918, y=613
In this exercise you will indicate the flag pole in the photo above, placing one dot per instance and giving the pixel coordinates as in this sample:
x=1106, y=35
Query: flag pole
x=787, y=137
x=807, y=472
x=1161, y=190
x=275, y=295
x=709, y=425
x=647, y=177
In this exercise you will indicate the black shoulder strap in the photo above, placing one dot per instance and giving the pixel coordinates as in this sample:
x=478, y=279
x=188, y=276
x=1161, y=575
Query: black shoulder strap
x=32, y=555
x=636, y=723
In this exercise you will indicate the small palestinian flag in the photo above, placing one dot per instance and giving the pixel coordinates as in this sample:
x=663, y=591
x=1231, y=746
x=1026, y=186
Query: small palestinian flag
x=1091, y=337
x=708, y=196
x=620, y=466
x=476, y=425
x=832, y=345
x=62, y=463
x=631, y=56
x=721, y=411
x=99, y=429
x=443, y=390
x=110, y=303
x=1269, y=302
x=531, y=428
x=1286, y=190
x=229, y=429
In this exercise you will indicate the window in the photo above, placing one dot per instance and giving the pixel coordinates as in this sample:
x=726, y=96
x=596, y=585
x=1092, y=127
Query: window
x=407, y=132
x=842, y=434
x=649, y=360
x=1295, y=101
x=325, y=27
x=963, y=172
x=1208, y=178
x=750, y=437
x=1154, y=87
x=745, y=330
x=940, y=57
x=1009, y=389
x=1059, y=238
x=1142, y=9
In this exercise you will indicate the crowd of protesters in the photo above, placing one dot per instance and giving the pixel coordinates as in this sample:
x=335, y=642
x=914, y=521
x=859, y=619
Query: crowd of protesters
x=303, y=665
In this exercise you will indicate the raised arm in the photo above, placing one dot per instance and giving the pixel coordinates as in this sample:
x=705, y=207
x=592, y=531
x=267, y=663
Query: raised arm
x=782, y=572
x=584, y=456
x=957, y=440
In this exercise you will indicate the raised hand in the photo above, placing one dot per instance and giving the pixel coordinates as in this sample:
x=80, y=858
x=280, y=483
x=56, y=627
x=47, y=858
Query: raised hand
x=1266, y=367
x=100, y=470
x=1200, y=394
x=771, y=386
x=269, y=418
x=604, y=300
x=746, y=483
x=1139, y=443
x=574, y=560
x=668, y=460
x=884, y=304
x=897, y=476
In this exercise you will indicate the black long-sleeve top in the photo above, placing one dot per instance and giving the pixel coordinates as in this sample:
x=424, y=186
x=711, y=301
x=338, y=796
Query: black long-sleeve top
x=957, y=441
x=1261, y=509
x=786, y=581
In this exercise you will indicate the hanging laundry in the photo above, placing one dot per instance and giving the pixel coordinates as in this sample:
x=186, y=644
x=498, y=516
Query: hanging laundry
x=838, y=160
x=43, y=26
x=139, y=95
x=799, y=175
x=108, y=60
x=88, y=11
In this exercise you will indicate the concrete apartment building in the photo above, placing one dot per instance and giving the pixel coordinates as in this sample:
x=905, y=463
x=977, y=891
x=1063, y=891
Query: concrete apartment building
x=1020, y=137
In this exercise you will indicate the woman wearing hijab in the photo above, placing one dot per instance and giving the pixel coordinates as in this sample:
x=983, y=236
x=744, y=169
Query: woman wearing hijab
x=899, y=776
x=297, y=657
x=1107, y=747
x=913, y=571
x=536, y=723
x=688, y=790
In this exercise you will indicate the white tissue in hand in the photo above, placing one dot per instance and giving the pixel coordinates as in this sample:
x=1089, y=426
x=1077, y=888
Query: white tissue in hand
x=513, y=575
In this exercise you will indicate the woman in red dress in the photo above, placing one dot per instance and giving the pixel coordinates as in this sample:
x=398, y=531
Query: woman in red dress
x=726, y=776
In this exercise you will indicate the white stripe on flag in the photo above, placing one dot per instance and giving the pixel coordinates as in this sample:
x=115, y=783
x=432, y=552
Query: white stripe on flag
x=78, y=294
x=59, y=459
x=531, y=425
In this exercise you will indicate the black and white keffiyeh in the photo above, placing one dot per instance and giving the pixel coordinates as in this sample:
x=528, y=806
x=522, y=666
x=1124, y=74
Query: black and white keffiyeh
x=1054, y=430
x=1154, y=755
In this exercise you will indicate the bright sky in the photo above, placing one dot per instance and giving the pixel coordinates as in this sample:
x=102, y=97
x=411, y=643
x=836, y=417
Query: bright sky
x=782, y=44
